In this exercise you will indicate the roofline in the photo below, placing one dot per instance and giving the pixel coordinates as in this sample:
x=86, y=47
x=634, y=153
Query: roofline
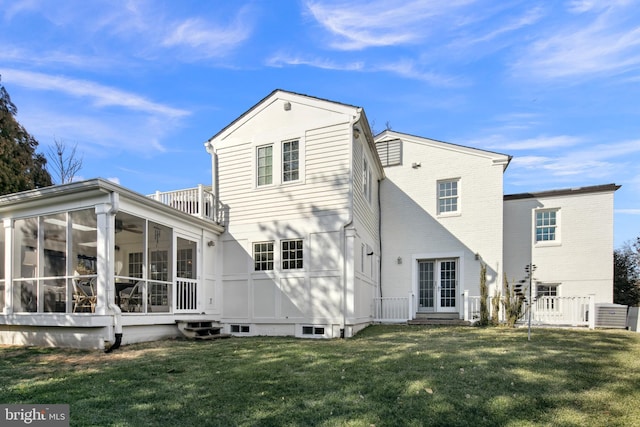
x=221, y=131
x=564, y=192
x=96, y=185
x=508, y=156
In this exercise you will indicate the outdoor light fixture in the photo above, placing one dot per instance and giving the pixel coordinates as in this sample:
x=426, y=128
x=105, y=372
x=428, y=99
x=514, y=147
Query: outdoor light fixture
x=287, y=106
x=399, y=260
x=211, y=243
x=356, y=133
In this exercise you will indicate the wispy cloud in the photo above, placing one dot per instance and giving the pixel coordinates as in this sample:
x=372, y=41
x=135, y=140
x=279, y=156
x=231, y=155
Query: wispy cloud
x=627, y=211
x=282, y=59
x=537, y=143
x=383, y=24
x=205, y=39
x=408, y=69
x=604, y=41
x=102, y=96
x=577, y=165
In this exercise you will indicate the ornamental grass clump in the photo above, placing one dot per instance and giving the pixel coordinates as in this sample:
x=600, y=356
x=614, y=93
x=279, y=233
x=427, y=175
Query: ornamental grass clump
x=513, y=304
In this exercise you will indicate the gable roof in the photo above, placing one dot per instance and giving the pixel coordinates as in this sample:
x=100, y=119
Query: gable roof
x=564, y=192
x=498, y=158
x=276, y=94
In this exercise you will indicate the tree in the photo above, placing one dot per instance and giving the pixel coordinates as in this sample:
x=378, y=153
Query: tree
x=626, y=274
x=21, y=168
x=65, y=165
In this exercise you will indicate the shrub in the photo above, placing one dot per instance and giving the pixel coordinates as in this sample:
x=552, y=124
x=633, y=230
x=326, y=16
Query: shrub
x=513, y=304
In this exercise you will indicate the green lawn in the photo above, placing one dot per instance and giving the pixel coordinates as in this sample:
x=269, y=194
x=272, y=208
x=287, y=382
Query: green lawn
x=385, y=376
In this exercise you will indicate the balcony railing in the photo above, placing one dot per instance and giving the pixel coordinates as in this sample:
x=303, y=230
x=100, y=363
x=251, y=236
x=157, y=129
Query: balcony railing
x=200, y=202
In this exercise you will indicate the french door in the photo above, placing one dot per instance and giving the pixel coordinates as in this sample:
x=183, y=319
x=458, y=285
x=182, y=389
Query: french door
x=437, y=285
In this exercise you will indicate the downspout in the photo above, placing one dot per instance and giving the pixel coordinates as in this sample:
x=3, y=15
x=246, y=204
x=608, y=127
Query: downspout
x=348, y=223
x=113, y=308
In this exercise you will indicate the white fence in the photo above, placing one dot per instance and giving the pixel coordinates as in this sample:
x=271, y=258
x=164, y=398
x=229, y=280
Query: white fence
x=559, y=311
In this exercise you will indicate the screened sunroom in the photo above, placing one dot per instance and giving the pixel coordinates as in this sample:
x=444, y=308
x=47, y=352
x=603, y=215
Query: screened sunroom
x=82, y=260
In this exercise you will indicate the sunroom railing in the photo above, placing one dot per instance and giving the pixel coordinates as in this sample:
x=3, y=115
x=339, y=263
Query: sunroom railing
x=199, y=201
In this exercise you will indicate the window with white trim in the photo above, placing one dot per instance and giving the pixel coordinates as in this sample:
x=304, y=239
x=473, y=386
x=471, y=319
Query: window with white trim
x=290, y=161
x=547, y=225
x=263, y=256
x=292, y=254
x=448, y=194
x=544, y=292
x=265, y=165
x=366, y=179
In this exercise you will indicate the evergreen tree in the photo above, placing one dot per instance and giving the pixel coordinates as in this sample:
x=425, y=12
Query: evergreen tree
x=626, y=274
x=21, y=168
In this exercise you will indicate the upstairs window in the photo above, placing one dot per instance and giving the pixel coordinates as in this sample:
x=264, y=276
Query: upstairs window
x=366, y=180
x=448, y=196
x=547, y=226
x=290, y=157
x=263, y=256
x=292, y=254
x=265, y=165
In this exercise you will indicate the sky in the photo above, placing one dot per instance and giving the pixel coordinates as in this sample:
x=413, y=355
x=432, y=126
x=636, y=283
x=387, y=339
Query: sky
x=139, y=86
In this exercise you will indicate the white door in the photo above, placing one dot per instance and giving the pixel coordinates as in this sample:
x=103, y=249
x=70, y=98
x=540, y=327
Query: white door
x=186, y=292
x=437, y=285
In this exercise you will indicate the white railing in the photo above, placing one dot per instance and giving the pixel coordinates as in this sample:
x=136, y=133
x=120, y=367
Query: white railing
x=392, y=309
x=471, y=308
x=573, y=311
x=198, y=202
x=186, y=295
x=569, y=311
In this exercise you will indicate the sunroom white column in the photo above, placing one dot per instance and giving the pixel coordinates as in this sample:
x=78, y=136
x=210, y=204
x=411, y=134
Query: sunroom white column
x=105, y=217
x=8, y=266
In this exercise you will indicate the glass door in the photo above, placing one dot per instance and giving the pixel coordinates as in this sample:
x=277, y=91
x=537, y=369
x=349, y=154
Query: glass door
x=437, y=285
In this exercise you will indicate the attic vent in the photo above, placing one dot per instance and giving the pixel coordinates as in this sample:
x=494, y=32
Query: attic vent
x=390, y=152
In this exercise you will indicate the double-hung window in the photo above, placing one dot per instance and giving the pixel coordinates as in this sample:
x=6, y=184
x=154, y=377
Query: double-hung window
x=263, y=256
x=366, y=179
x=292, y=254
x=265, y=165
x=547, y=225
x=290, y=158
x=448, y=196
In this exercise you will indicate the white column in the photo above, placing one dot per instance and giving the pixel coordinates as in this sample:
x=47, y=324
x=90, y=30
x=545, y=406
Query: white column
x=8, y=266
x=105, y=255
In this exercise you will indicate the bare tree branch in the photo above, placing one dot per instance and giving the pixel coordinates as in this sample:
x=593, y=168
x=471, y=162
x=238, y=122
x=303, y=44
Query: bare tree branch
x=64, y=166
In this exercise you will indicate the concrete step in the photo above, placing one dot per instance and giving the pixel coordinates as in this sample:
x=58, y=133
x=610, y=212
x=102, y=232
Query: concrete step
x=450, y=322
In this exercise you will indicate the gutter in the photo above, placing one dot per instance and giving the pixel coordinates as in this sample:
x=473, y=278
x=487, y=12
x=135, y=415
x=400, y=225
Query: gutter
x=114, y=310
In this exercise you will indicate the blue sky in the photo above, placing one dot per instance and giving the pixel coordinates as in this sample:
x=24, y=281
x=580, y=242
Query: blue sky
x=139, y=86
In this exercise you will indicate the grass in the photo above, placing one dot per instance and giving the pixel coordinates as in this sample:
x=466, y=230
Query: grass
x=385, y=376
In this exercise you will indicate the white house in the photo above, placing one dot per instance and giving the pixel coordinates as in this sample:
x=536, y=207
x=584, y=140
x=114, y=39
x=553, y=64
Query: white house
x=311, y=227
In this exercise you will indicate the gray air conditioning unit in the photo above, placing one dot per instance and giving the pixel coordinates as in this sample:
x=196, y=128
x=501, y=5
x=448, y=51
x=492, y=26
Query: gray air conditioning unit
x=611, y=316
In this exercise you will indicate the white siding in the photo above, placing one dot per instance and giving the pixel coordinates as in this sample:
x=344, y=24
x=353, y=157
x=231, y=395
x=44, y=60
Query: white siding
x=315, y=208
